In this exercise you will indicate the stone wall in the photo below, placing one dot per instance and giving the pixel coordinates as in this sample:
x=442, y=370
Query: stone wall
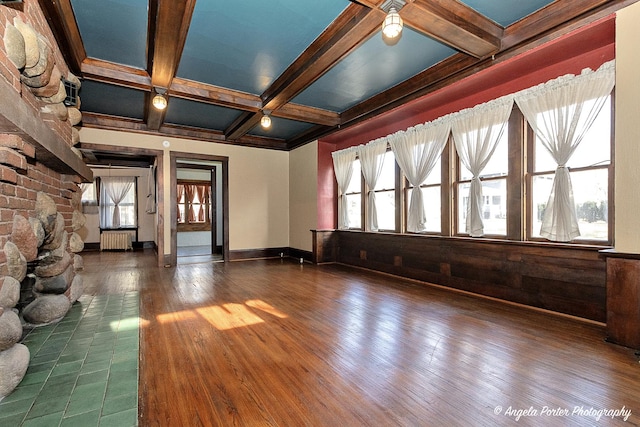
x=40, y=206
x=30, y=13
x=40, y=210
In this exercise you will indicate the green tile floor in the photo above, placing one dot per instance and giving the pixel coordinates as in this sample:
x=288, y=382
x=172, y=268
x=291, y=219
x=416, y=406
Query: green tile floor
x=83, y=369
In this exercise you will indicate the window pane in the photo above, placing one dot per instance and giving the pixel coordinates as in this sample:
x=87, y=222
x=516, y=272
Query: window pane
x=494, y=206
x=386, y=207
x=431, y=202
x=127, y=216
x=498, y=163
x=387, y=179
x=89, y=192
x=129, y=199
x=435, y=176
x=354, y=210
x=593, y=150
x=431, y=198
x=463, y=202
x=543, y=159
x=494, y=212
x=590, y=193
x=541, y=189
x=355, y=185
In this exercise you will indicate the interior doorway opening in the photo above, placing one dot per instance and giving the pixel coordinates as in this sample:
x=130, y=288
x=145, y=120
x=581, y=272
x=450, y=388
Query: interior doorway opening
x=199, y=195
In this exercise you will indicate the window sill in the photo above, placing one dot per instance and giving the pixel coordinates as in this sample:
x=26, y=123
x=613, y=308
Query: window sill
x=540, y=243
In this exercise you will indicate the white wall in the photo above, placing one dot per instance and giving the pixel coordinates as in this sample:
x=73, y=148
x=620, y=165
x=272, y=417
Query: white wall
x=627, y=133
x=186, y=239
x=303, y=194
x=146, y=222
x=258, y=185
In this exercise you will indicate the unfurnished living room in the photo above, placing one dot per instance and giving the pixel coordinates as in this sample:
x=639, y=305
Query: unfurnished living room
x=319, y=213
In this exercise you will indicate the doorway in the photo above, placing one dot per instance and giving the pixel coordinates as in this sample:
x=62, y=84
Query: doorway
x=199, y=199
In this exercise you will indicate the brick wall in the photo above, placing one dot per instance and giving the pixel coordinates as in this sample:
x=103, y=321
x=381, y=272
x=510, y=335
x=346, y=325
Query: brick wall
x=21, y=178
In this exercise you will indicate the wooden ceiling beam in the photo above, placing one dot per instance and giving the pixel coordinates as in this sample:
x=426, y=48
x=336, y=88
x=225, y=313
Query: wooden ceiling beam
x=553, y=15
x=354, y=25
x=427, y=81
x=243, y=124
x=134, y=78
x=112, y=73
x=203, y=92
x=104, y=121
x=454, y=24
x=169, y=28
x=309, y=135
x=304, y=113
x=346, y=32
x=59, y=14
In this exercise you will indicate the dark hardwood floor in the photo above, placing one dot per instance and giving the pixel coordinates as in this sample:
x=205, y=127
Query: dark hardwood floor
x=277, y=343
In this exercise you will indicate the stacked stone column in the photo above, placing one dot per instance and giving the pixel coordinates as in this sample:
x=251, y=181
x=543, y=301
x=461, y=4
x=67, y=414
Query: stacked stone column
x=41, y=284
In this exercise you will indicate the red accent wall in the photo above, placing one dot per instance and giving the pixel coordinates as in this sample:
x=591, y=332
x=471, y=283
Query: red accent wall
x=587, y=47
x=327, y=202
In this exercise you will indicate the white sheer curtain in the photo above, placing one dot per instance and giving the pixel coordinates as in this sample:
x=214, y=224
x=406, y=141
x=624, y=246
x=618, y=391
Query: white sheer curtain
x=558, y=113
x=417, y=150
x=371, y=161
x=343, y=168
x=116, y=188
x=476, y=132
x=88, y=187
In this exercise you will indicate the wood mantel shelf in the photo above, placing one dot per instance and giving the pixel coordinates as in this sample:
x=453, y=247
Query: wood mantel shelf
x=17, y=117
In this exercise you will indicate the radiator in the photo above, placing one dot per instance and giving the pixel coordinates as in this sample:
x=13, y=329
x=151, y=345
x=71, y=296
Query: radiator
x=112, y=241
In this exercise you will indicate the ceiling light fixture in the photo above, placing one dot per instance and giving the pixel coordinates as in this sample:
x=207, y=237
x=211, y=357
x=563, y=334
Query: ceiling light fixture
x=265, y=121
x=159, y=101
x=392, y=24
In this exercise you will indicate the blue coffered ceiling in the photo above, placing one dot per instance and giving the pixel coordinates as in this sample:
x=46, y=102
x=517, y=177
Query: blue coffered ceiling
x=114, y=30
x=373, y=68
x=506, y=12
x=312, y=65
x=246, y=45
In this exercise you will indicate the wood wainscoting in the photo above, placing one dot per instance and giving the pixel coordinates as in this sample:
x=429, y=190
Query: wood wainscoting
x=282, y=252
x=568, y=279
x=623, y=298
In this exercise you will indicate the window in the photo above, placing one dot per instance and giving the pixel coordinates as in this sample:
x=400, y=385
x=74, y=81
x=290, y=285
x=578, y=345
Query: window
x=516, y=180
x=118, y=207
x=354, y=197
x=194, y=205
x=386, y=194
x=590, y=171
x=431, y=197
x=494, y=190
x=89, y=197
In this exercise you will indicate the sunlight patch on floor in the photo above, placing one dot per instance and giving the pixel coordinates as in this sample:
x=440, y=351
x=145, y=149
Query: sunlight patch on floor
x=226, y=316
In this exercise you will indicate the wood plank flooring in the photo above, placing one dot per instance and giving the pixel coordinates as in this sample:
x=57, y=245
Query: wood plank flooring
x=276, y=343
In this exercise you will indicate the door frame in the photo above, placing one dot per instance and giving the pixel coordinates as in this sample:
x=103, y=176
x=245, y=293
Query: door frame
x=224, y=161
